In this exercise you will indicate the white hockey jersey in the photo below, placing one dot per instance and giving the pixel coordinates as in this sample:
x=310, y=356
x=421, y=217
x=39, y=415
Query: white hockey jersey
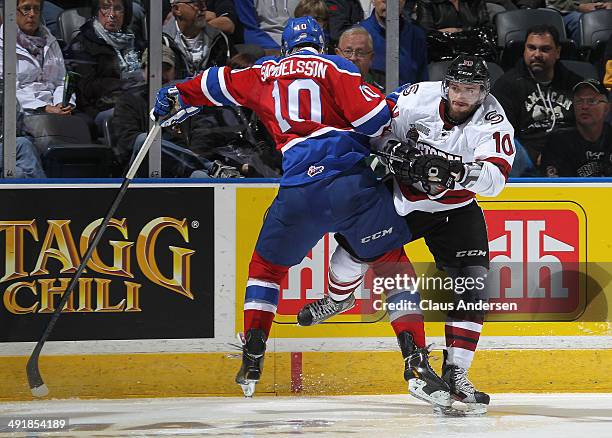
x=487, y=137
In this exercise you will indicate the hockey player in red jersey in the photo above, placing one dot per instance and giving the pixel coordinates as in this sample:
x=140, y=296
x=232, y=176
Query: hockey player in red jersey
x=454, y=141
x=321, y=116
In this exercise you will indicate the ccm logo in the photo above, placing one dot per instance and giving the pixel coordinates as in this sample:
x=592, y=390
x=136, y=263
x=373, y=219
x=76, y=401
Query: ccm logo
x=471, y=253
x=376, y=235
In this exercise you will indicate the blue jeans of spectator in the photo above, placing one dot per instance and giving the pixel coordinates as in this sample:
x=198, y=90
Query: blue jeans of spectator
x=27, y=162
x=572, y=25
x=522, y=165
x=172, y=149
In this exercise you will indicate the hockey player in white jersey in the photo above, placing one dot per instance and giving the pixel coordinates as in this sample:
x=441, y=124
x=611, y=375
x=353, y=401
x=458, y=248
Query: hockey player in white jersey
x=453, y=141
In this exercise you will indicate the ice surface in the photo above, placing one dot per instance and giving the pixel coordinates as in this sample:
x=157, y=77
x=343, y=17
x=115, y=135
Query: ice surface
x=510, y=415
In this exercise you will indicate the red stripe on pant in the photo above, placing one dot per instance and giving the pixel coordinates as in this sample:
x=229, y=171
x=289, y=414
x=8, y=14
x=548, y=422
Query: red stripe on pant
x=261, y=269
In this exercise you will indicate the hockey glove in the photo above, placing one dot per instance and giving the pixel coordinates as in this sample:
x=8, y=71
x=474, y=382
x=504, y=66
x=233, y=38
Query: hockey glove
x=170, y=108
x=400, y=158
x=436, y=173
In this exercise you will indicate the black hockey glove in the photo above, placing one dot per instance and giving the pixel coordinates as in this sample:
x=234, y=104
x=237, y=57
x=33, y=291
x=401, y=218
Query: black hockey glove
x=400, y=157
x=436, y=173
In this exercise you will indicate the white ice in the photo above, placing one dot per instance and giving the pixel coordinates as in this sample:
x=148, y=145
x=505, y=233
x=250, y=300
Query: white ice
x=510, y=415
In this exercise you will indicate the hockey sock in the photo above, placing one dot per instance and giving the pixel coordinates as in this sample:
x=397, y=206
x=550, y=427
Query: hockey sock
x=406, y=314
x=345, y=275
x=412, y=324
x=462, y=334
x=261, y=297
x=339, y=291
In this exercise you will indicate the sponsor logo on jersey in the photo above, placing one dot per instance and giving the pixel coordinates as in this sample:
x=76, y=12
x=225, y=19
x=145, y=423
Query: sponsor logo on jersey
x=534, y=259
x=315, y=170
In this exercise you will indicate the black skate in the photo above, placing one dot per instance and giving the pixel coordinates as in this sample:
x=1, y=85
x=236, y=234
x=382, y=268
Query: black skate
x=253, y=350
x=423, y=382
x=320, y=310
x=464, y=391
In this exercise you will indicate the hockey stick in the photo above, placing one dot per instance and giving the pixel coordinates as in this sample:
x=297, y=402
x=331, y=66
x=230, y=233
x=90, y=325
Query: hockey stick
x=37, y=385
x=388, y=156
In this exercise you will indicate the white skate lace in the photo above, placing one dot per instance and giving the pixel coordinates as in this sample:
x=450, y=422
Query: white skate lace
x=240, y=337
x=462, y=382
x=323, y=308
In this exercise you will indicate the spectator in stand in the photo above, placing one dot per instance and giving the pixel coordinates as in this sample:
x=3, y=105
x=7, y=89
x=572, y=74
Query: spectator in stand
x=264, y=21
x=106, y=56
x=196, y=44
x=40, y=64
x=451, y=15
x=572, y=10
x=585, y=150
x=27, y=161
x=607, y=65
x=317, y=9
x=536, y=96
x=412, y=46
x=221, y=15
x=130, y=124
x=356, y=45
x=342, y=15
x=50, y=12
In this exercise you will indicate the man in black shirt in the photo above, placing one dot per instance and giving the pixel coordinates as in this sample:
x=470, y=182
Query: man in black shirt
x=585, y=150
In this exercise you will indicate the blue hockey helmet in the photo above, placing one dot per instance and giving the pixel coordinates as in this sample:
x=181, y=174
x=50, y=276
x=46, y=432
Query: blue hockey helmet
x=302, y=31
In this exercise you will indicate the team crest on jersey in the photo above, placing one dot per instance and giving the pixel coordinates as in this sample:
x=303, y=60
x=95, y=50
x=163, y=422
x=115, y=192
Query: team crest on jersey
x=315, y=170
x=494, y=117
x=428, y=149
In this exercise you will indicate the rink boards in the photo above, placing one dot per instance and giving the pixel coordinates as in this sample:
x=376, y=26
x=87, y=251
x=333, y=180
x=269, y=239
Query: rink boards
x=160, y=304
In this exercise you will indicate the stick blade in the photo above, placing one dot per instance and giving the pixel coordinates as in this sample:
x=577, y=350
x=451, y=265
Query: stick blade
x=40, y=391
x=37, y=386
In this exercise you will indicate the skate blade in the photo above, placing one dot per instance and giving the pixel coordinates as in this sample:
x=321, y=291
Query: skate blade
x=248, y=388
x=436, y=398
x=463, y=410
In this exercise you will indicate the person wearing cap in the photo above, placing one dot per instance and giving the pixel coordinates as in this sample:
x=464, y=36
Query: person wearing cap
x=130, y=123
x=197, y=45
x=586, y=149
x=536, y=96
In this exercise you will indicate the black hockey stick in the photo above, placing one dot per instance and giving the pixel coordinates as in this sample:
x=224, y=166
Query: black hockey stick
x=37, y=385
x=388, y=156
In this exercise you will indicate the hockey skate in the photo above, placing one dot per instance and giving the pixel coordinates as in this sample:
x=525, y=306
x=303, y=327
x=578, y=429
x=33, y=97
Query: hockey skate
x=464, y=391
x=423, y=382
x=253, y=350
x=323, y=309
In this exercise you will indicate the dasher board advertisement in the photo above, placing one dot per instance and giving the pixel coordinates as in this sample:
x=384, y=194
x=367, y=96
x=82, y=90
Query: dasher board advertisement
x=151, y=277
